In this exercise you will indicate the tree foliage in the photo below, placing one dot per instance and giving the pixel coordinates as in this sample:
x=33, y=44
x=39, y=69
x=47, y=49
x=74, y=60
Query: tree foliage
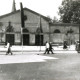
x=69, y=11
x=55, y=20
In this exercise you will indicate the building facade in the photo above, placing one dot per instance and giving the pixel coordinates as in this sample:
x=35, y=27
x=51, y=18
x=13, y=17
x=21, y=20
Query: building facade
x=32, y=33
x=37, y=29
x=60, y=32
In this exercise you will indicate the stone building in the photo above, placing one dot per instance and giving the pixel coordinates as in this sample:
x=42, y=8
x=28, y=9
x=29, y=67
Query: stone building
x=60, y=32
x=37, y=29
x=35, y=25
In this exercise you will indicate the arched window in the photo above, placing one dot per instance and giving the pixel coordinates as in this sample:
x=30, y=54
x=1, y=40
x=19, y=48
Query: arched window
x=25, y=30
x=57, y=31
x=26, y=38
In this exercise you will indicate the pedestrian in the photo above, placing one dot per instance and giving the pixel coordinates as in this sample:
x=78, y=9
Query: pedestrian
x=47, y=48
x=65, y=45
x=50, y=48
x=8, y=49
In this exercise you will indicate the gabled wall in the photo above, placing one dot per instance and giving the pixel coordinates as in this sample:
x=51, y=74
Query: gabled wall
x=31, y=24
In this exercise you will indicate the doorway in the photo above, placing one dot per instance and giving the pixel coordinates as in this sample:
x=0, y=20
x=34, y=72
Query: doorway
x=10, y=38
x=38, y=40
x=25, y=39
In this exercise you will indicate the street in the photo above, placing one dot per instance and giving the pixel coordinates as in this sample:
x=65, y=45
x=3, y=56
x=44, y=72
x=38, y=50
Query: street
x=34, y=66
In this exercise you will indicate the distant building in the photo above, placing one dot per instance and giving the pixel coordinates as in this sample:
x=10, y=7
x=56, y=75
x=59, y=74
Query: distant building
x=60, y=32
x=37, y=29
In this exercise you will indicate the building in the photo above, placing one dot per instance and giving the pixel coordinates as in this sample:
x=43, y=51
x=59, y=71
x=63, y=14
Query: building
x=37, y=29
x=60, y=32
x=35, y=25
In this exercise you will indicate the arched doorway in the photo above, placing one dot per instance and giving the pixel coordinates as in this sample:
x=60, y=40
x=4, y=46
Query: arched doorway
x=10, y=38
x=10, y=34
x=25, y=37
x=38, y=39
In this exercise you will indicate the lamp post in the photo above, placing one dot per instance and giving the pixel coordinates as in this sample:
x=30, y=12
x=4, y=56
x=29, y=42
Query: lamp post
x=49, y=32
x=79, y=40
x=40, y=41
x=79, y=33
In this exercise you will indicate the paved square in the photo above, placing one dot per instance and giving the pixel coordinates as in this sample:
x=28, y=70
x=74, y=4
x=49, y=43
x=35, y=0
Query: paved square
x=23, y=58
x=26, y=66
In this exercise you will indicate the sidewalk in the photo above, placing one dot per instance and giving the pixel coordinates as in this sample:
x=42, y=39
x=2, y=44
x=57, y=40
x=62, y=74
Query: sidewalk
x=40, y=49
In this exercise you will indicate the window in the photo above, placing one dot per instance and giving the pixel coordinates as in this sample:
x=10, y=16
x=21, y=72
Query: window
x=57, y=31
x=25, y=30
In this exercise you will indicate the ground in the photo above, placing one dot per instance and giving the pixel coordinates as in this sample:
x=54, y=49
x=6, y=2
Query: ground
x=37, y=66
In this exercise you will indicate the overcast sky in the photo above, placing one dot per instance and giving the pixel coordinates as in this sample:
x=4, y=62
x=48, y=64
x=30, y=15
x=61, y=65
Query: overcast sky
x=44, y=7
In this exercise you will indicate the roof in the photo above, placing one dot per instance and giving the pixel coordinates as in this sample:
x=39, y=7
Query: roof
x=63, y=24
x=46, y=18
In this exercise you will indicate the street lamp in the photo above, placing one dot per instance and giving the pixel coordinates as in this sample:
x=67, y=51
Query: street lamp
x=79, y=40
x=78, y=43
x=79, y=32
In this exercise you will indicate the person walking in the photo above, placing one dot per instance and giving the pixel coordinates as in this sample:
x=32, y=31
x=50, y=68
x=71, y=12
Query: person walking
x=47, y=48
x=65, y=45
x=50, y=48
x=8, y=49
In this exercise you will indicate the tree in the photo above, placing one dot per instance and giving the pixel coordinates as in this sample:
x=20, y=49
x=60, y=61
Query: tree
x=55, y=20
x=69, y=11
x=50, y=20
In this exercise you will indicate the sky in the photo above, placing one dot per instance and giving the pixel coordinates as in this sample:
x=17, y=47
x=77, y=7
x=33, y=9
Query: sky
x=44, y=7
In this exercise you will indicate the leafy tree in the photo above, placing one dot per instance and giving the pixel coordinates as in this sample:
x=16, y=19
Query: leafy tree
x=50, y=20
x=55, y=20
x=69, y=11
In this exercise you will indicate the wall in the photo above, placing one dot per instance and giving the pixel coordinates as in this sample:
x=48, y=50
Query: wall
x=32, y=23
x=64, y=28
